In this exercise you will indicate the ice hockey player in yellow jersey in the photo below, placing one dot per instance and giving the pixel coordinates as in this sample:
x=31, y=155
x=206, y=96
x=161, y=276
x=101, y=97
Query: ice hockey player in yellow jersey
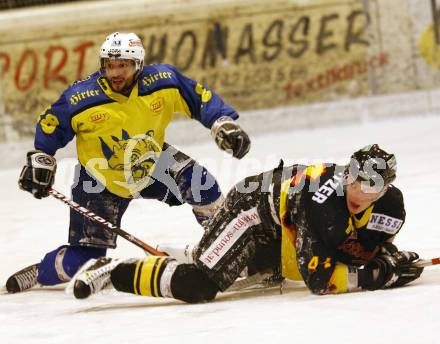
x=119, y=117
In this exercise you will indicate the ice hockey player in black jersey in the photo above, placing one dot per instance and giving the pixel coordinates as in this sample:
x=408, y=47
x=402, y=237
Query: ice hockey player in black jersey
x=331, y=226
x=119, y=117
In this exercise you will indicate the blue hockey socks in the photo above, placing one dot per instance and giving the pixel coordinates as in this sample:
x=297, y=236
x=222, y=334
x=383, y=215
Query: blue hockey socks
x=59, y=266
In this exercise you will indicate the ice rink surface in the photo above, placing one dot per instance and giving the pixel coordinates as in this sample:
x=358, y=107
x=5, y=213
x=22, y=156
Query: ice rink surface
x=30, y=228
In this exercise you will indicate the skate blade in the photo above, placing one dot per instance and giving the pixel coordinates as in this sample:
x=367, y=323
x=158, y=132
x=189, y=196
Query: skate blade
x=38, y=287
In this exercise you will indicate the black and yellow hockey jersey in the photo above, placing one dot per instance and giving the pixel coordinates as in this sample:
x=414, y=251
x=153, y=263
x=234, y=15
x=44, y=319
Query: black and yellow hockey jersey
x=321, y=241
x=119, y=138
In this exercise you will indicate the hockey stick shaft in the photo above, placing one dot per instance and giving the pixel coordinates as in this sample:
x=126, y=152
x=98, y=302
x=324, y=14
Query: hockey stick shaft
x=421, y=263
x=105, y=224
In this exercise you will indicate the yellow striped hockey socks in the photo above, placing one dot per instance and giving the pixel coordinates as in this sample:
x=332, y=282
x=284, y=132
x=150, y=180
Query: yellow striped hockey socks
x=143, y=276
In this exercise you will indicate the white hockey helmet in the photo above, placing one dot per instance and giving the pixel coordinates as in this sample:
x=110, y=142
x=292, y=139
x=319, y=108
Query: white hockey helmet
x=123, y=46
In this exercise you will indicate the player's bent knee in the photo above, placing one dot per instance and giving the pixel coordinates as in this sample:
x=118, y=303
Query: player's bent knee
x=197, y=185
x=59, y=265
x=192, y=285
x=200, y=189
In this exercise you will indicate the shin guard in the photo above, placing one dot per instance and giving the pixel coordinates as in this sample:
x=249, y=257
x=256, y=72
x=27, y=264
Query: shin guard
x=147, y=277
x=59, y=265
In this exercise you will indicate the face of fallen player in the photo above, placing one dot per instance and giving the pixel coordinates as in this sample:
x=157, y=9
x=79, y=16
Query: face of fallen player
x=359, y=196
x=120, y=74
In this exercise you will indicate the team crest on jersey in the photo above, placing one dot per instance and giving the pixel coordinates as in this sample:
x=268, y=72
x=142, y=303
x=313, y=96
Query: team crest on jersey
x=384, y=223
x=135, y=155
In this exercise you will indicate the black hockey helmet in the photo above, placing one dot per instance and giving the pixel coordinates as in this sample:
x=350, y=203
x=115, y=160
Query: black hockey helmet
x=374, y=165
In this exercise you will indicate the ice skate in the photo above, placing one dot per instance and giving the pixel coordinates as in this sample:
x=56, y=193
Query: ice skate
x=93, y=277
x=23, y=279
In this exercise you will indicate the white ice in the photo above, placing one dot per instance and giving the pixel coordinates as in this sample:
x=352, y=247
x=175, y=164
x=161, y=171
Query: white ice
x=30, y=228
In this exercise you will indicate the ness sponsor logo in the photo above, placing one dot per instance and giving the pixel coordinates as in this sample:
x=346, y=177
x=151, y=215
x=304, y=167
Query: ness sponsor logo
x=232, y=232
x=384, y=223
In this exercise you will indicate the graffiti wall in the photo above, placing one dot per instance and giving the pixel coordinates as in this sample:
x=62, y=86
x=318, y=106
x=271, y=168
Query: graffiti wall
x=257, y=54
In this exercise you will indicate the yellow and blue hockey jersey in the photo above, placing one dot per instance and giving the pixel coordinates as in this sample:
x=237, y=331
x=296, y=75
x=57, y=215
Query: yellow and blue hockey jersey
x=119, y=138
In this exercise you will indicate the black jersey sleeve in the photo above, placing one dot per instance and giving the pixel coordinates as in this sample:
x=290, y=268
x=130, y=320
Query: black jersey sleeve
x=390, y=213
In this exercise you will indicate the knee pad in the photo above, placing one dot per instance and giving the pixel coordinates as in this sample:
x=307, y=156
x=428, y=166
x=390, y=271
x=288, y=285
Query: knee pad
x=59, y=265
x=192, y=285
x=197, y=186
x=200, y=189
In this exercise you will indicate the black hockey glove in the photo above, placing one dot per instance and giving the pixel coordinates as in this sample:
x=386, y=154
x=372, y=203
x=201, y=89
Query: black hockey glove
x=230, y=137
x=394, y=270
x=388, y=248
x=38, y=175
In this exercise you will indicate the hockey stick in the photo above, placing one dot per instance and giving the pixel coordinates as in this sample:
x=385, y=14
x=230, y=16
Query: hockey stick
x=105, y=224
x=238, y=285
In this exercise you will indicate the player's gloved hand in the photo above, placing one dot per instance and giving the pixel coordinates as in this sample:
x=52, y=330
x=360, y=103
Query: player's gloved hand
x=38, y=175
x=388, y=248
x=230, y=137
x=394, y=270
